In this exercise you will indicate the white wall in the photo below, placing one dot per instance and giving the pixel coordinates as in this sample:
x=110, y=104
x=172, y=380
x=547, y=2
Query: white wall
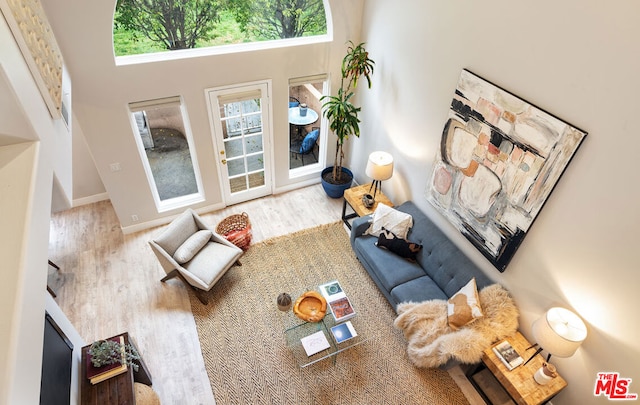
x=33, y=150
x=575, y=59
x=87, y=185
x=35, y=168
x=102, y=91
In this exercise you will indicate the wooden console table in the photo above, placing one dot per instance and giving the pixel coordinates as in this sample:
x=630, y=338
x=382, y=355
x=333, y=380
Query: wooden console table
x=353, y=197
x=116, y=390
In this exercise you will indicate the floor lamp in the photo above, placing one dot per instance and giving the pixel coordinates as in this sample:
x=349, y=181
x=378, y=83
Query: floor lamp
x=379, y=168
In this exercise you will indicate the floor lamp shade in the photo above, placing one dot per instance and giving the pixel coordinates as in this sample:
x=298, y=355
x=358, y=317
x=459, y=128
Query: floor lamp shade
x=560, y=332
x=379, y=166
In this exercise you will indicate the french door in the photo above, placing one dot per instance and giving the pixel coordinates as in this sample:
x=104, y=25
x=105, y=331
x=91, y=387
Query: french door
x=240, y=117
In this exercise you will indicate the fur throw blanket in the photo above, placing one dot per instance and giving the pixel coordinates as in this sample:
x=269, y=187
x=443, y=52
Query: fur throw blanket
x=432, y=342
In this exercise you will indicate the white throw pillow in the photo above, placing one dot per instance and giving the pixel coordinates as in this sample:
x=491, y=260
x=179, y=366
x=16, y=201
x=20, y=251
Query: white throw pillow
x=191, y=246
x=464, y=307
x=391, y=219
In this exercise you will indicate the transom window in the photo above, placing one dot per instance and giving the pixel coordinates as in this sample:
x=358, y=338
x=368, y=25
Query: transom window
x=152, y=26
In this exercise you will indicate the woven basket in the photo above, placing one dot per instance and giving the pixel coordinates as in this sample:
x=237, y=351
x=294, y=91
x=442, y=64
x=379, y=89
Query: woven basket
x=236, y=229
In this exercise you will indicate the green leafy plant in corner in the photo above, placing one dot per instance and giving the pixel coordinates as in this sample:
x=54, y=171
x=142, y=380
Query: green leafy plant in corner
x=339, y=109
x=105, y=352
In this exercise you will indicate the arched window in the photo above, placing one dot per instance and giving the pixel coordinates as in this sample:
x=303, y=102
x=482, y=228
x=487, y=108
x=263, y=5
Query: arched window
x=152, y=26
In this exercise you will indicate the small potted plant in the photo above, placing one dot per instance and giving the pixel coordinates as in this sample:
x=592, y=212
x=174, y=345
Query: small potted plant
x=343, y=115
x=105, y=352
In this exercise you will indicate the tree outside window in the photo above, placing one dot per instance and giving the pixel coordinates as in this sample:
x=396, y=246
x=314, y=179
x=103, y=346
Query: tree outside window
x=145, y=26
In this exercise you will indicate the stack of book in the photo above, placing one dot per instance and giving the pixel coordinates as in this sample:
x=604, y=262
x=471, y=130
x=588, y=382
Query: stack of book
x=99, y=374
x=337, y=300
x=508, y=355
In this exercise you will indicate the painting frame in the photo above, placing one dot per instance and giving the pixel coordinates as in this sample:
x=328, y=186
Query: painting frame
x=499, y=160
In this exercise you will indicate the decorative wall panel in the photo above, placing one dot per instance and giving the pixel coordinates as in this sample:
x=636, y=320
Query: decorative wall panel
x=34, y=36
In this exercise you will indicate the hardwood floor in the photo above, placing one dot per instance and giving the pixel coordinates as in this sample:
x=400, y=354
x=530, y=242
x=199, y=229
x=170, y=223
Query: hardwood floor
x=109, y=283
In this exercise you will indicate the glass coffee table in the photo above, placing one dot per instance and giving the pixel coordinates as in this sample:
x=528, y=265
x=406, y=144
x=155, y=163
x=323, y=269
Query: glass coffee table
x=296, y=329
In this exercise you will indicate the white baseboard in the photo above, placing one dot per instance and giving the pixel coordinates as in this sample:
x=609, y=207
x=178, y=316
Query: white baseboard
x=295, y=186
x=90, y=199
x=141, y=226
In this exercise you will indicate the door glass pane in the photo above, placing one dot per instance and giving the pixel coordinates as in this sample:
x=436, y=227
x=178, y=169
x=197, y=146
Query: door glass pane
x=254, y=144
x=233, y=148
x=256, y=179
x=235, y=167
x=238, y=184
x=243, y=143
x=164, y=137
x=255, y=162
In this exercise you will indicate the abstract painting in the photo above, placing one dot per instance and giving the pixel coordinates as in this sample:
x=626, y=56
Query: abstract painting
x=499, y=159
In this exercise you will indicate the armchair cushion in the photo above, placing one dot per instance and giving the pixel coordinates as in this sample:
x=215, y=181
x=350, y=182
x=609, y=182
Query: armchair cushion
x=192, y=245
x=177, y=232
x=211, y=262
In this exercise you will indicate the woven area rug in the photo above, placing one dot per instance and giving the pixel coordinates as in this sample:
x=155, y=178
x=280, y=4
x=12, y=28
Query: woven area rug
x=241, y=332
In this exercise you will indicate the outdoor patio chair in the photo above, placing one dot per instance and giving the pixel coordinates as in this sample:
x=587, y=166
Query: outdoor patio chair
x=306, y=146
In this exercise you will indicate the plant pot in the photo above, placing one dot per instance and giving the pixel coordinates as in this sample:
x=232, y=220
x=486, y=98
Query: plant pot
x=336, y=190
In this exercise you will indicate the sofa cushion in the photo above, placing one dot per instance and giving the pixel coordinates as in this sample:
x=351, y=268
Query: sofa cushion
x=387, y=266
x=177, y=232
x=464, y=307
x=440, y=257
x=417, y=290
x=191, y=246
x=403, y=248
x=396, y=221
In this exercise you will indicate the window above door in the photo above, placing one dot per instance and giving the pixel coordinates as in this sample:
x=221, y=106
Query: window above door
x=142, y=34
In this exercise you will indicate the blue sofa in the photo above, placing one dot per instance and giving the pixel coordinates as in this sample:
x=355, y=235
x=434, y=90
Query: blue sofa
x=440, y=270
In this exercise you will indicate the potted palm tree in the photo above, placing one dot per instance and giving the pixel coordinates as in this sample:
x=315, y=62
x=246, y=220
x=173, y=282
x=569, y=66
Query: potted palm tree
x=343, y=115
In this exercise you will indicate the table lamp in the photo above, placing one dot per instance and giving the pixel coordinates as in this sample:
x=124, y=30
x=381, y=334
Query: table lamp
x=560, y=332
x=379, y=167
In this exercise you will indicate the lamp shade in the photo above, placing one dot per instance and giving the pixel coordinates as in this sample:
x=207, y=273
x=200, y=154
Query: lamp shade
x=380, y=166
x=560, y=332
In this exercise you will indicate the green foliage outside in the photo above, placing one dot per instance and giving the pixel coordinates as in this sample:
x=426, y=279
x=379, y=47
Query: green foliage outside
x=139, y=31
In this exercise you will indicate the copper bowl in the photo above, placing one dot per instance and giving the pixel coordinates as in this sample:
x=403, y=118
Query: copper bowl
x=310, y=307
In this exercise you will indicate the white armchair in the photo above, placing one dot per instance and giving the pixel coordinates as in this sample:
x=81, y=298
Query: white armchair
x=189, y=249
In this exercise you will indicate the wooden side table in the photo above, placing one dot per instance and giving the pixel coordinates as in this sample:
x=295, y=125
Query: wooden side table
x=519, y=382
x=353, y=197
x=116, y=390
